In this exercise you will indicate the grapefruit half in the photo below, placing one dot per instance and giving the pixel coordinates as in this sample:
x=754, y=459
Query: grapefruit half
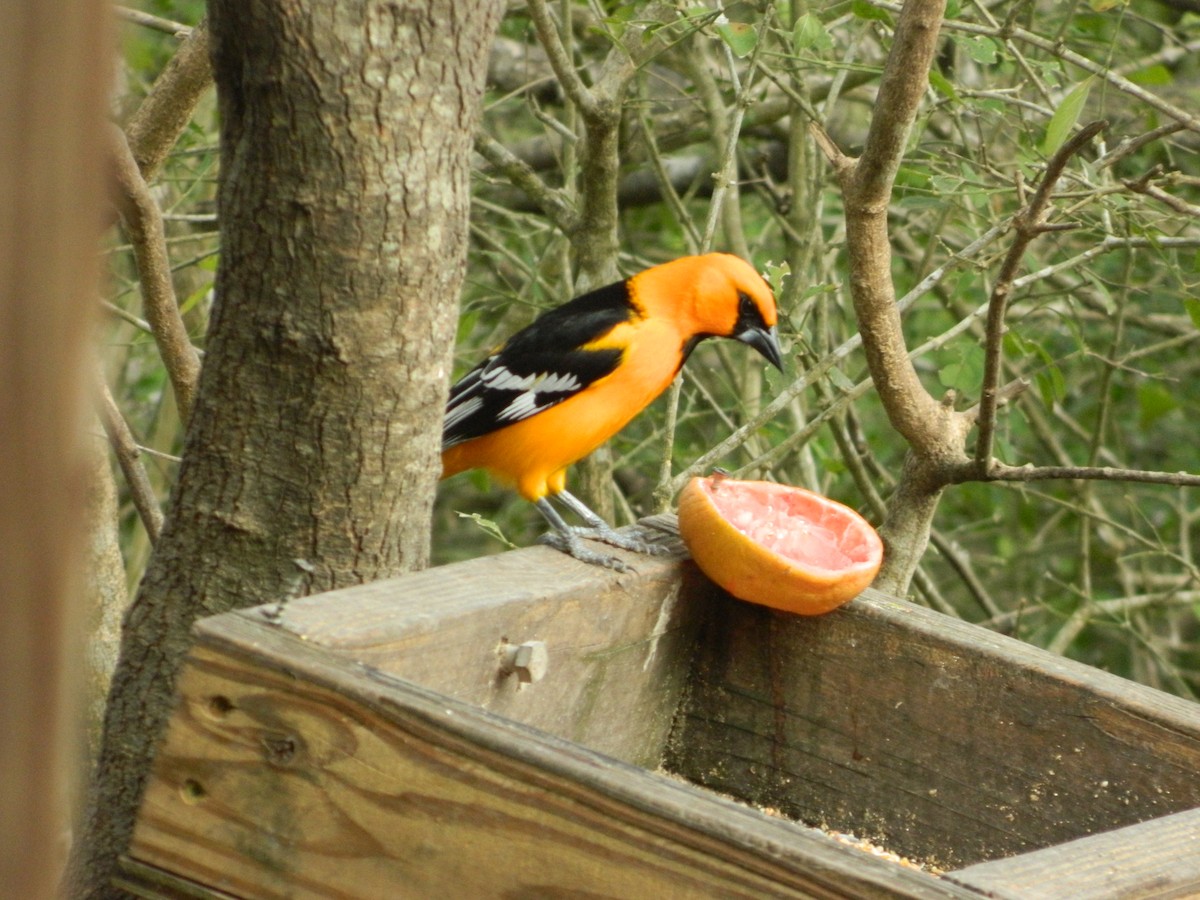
x=778, y=545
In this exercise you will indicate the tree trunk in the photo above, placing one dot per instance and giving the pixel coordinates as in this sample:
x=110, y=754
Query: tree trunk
x=346, y=129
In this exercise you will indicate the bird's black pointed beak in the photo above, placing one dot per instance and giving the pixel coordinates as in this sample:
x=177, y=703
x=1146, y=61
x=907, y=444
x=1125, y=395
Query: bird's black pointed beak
x=765, y=341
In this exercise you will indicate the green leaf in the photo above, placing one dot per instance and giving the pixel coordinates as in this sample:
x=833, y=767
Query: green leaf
x=776, y=274
x=1154, y=402
x=1066, y=116
x=622, y=14
x=833, y=465
x=1050, y=382
x=814, y=289
x=1106, y=5
x=488, y=526
x=1192, y=305
x=864, y=10
x=912, y=177
x=1051, y=385
x=986, y=50
x=1153, y=76
x=740, y=37
x=193, y=298
x=982, y=49
x=965, y=372
x=942, y=85
x=946, y=184
x=1017, y=347
x=809, y=34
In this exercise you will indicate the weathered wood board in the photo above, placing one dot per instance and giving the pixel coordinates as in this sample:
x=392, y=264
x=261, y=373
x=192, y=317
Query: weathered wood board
x=288, y=772
x=619, y=645
x=371, y=743
x=1159, y=859
x=939, y=739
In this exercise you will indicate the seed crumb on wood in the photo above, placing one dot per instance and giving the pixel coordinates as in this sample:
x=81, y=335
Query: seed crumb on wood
x=850, y=840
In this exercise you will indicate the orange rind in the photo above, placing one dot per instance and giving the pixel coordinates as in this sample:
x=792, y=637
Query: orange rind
x=777, y=545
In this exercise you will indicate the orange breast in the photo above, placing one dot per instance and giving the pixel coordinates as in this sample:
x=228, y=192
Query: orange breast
x=534, y=453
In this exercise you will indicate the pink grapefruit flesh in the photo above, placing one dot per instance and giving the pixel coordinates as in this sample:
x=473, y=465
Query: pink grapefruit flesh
x=777, y=545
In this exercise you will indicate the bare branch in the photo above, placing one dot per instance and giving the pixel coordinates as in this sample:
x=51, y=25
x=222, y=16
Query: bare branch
x=146, y=20
x=1130, y=146
x=143, y=222
x=1145, y=185
x=834, y=357
x=1028, y=224
x=921, y=420
x=900, y=90
x=125, y=448
x=833, y=153
x=560, y=60
x=1057, y=49
x=156, y=125
x=552, y=202
x=1001, y=472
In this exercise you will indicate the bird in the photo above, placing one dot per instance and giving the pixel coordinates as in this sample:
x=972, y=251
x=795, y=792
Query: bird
x=563, y=385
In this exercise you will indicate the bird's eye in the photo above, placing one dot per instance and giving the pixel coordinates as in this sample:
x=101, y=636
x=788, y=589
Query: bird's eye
x=746, y=305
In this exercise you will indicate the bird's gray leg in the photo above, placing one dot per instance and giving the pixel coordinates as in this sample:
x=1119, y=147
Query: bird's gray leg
x=599, y=530
x=570, y=540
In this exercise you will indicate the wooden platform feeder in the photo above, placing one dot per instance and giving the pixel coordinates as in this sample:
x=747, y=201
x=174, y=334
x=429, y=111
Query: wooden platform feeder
x=527, y=726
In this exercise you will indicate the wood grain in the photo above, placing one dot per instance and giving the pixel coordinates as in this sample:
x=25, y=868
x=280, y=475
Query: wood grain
x=619, y=645
x=939, y=739
x=1156, y=859
x=292, y=773
x=304, y=760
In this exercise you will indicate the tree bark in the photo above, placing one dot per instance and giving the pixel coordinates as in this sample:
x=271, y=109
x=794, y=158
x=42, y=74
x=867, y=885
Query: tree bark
x=346, y=129
x=105, y=594
x=935, y=432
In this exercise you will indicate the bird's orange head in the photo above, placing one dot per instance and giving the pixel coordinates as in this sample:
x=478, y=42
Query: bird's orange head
x=712, y=295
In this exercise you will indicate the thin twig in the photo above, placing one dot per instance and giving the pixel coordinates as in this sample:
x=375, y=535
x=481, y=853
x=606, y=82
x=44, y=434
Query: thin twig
x=125, y=448
x=1058, y=50
x=1028, y=224
x=158, y=23
x=724, y=207
x=1146, y=187
x=1117, y=606
x=1129, y=146
x=668, y=193
x=560, y=60
x=1002, y=472
x=551, y=201
x=839, y=353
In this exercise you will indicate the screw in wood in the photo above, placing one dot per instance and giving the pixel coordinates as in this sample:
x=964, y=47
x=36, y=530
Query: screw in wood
x=528, y=661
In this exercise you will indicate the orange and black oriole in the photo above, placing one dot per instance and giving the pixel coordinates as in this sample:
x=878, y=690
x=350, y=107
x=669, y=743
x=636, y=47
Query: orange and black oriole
x=562, y=386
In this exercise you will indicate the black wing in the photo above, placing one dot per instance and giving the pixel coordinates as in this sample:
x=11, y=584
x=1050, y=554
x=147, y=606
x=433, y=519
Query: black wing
x=539, y=366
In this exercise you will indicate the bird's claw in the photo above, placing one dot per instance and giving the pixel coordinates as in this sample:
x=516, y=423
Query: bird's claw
x=632, y=542
x=572, y=545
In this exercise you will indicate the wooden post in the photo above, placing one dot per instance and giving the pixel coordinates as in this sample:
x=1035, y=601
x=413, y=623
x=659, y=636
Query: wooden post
x=54, y=63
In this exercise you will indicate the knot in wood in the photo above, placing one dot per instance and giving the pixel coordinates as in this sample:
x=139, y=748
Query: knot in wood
x=280, y=749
